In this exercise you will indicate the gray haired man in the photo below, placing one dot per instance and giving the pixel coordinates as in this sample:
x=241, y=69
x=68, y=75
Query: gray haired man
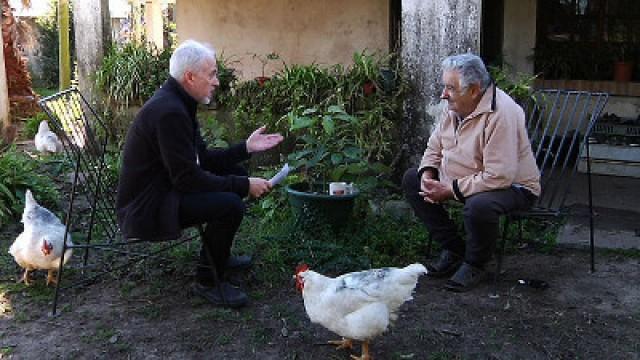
x=479, y=155
x=170, y=180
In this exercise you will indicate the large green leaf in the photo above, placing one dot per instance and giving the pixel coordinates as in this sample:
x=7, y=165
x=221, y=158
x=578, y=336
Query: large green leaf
x=328, y=125
x=337, y=173
x=357, y=168
x=336, y=159
x=345, y=117
x=309, y=111
x=302, y=122
x=318, y=155
x=353, y=152
x=299, y=154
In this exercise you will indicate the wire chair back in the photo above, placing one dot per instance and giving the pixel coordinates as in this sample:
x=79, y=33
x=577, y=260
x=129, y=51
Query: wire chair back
x=85, y=138
x=559, y=124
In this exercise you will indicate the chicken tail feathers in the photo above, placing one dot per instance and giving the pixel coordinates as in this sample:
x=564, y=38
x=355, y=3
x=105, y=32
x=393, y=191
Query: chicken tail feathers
x=29, y=201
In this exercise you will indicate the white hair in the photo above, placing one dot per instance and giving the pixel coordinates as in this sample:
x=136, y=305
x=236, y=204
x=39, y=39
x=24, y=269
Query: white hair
x=190, y=55
x=470, y=67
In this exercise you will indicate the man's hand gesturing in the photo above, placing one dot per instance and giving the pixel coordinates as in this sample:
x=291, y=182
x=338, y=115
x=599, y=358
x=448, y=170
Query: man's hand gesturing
x=258, y=141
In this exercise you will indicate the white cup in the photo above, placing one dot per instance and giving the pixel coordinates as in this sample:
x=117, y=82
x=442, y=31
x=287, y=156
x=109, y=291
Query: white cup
x=338, y=188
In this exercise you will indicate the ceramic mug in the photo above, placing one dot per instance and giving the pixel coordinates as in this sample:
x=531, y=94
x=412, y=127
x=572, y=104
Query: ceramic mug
x=337, y=188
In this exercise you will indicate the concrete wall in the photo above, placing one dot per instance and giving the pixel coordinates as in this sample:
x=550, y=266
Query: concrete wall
x=325, y=32
x=432, y=30
x=623, y=106
x=519, y=34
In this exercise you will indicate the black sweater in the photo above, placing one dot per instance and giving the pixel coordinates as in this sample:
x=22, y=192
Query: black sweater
x=159, y=163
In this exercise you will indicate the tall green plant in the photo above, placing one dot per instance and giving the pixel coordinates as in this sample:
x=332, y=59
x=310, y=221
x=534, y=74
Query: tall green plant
x=49, y=39
x=327, y=148
x=517, y=85
x=311, y=86
x=129, y=75
x=18, y=172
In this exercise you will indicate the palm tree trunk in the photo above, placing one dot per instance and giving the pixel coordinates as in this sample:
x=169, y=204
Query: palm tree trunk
x=22, y=99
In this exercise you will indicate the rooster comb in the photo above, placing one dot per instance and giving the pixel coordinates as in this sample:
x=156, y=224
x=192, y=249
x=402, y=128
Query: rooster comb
x=302, y=267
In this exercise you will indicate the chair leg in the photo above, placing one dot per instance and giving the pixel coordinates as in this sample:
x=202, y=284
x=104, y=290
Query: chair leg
x=520, y=230
x=59, y=276
x=500, y=256
x=591, y=239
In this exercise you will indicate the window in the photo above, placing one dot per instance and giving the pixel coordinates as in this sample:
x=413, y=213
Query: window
x=583, y=39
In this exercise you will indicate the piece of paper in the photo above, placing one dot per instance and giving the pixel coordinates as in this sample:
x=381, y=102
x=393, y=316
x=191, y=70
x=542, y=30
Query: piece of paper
x=277, y=178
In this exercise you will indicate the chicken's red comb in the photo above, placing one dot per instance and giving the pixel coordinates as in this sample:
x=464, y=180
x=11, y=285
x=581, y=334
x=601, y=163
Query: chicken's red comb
x=302, y=267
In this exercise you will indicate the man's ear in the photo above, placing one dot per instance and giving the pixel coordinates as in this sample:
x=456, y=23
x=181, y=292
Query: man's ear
x=188, y=76
x=475, y=90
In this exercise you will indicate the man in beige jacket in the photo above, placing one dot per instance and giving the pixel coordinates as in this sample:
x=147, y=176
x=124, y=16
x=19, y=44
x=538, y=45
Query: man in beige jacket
x=480, y=155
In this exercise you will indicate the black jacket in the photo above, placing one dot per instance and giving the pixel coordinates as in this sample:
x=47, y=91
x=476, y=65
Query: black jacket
x=159, y=163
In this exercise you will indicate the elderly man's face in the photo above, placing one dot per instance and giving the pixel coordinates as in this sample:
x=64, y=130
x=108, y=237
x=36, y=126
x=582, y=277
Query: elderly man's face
x=203, y=82
x=461, y=100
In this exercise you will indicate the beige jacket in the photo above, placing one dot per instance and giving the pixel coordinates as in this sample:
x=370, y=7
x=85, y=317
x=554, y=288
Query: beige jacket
x=489, y=150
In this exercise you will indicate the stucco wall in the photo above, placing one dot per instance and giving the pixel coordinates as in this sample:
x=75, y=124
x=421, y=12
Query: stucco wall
x=432, y=30
x=325, y=32
x=519, y=34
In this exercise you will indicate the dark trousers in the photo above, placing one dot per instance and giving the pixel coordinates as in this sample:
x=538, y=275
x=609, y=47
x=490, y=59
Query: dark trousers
x=481, y=214
x=222, y=212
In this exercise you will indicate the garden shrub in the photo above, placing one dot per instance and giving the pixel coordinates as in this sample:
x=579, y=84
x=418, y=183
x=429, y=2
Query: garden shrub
x=19, y=172
x=32, y=123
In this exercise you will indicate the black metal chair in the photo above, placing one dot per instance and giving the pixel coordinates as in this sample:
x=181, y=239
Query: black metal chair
x=85, y=140
x=559, y=124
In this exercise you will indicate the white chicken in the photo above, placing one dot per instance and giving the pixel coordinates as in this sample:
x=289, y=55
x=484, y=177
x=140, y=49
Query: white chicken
x=46, y=140
x=357, y=306
x=39, y=246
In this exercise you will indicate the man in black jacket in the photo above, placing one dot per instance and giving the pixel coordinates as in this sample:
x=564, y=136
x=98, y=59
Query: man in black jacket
x=169, y=179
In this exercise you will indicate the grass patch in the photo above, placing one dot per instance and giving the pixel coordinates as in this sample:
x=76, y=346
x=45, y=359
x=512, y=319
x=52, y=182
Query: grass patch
x=628, y=253
x=6, y=350
x=368, y=241
x=44, y=92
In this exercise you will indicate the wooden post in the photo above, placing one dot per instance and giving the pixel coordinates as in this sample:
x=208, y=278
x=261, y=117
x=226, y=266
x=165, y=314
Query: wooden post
x=4, y=91
x=65, y=54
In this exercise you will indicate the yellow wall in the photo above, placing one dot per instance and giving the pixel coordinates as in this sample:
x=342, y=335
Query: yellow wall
x=299, y=31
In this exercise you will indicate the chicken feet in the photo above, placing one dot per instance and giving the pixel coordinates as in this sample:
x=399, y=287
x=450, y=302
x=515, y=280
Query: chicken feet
x=365, y=352
x=51, y=279
x=342, y=344
x=25, y=277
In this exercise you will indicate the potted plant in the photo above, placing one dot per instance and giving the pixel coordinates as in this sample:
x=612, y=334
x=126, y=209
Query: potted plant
x=326, y=151
x=623, y=66
x=264, y=60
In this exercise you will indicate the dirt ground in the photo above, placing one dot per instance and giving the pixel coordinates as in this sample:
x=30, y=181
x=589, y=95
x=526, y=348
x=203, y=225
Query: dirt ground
x=580, y=316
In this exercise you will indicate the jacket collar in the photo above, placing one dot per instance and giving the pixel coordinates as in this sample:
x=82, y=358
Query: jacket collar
x=174, y=86
x=487, y=103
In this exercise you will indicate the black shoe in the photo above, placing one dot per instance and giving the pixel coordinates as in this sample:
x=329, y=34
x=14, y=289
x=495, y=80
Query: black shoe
x=466, y=278
x=242, y=262
x=446, y=265
x=222, y=295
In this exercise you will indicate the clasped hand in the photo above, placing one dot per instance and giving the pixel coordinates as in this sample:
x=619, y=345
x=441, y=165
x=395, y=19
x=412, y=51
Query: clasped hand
x=434, y=191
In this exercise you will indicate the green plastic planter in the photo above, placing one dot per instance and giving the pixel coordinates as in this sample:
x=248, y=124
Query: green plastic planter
x=317, y=205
